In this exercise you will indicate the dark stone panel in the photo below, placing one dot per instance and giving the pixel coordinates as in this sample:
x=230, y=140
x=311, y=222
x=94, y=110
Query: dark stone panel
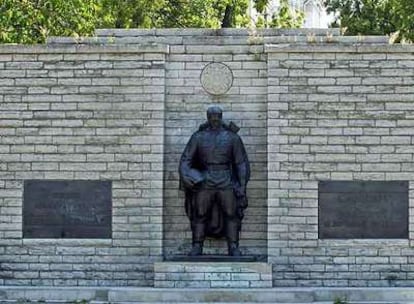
x=363, y=209
x=67, y=209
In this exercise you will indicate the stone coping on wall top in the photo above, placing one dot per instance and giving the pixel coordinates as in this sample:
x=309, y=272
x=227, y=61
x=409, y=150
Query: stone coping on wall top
x=213, y=32
x=79, y=48
x=220, y=40
x=312, y=39
x=338, y=48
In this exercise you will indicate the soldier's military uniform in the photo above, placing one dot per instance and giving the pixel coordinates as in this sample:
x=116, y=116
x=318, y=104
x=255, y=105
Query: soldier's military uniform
x=214, y=171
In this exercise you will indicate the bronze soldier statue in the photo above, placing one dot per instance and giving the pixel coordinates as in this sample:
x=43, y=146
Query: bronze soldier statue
x=214, y=171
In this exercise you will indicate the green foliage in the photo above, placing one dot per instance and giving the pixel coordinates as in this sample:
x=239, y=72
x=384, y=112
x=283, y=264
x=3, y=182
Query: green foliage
x=287, y=17
x=129, y=13
x=31, y=21
x=170, y=13
x=203, y=13
x=260, y=5
x=339, y=300
x=83, y=301
x=404, y=18
x=374, y=17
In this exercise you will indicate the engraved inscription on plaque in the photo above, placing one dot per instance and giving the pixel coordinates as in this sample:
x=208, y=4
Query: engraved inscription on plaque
x=363, y=209
x=67, y=209
x=216, y=78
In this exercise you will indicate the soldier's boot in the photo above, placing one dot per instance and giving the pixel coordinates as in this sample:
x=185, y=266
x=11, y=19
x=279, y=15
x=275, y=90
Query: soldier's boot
x=232, y=231
x=197, y=238
x=234, y=249
x=197, y=249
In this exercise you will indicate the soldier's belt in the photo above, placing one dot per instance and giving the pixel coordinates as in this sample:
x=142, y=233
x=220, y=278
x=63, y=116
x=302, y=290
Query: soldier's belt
x=216, y=167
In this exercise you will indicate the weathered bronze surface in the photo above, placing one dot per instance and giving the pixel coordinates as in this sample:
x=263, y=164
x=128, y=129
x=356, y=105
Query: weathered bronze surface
x=214, y=171
x=215, y=258
x=67, y=209
x=363, y=209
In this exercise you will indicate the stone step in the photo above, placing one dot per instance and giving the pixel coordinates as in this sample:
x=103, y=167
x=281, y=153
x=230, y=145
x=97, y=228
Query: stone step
x=325, y=302
x=127, y=295
x=106, y=302
x=20, y=301
x=216, y=302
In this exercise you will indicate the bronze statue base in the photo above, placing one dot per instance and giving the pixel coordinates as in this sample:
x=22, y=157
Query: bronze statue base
x=214, y=258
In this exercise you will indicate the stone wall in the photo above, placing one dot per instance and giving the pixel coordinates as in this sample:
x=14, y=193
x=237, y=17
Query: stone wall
x=186, y=101
x=191, y=50
x=312, y=106
x=336, y=113
x=245, y=104
x=83, y=113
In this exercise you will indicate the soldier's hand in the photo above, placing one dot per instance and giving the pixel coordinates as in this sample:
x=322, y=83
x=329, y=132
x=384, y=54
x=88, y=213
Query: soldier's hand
x=189, y=184
x=240, y=213
x=239, y=192
x=243, y=202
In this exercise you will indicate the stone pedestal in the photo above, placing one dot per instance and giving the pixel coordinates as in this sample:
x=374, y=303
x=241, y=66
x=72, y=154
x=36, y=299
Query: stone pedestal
x=212, y=274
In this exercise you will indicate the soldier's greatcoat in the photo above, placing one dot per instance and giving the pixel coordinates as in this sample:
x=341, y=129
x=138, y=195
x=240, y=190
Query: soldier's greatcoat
x=215, y=159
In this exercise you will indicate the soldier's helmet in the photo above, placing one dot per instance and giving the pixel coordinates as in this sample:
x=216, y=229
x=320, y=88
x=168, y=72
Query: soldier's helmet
x=214, y=110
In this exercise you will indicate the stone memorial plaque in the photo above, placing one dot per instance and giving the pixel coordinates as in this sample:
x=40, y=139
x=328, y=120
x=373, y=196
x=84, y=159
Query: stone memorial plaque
x=363, y=209
x=216, y=78
x=67, y=209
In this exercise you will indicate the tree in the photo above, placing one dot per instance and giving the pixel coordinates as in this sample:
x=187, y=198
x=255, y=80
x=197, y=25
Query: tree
x=404, y=18
x=374, y=17
x=130, y=13
x=174, y=13
x=32, y=21
x=285, y=17
x=191, y=13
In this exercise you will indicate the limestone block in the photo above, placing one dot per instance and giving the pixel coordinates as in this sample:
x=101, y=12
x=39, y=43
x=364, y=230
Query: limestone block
x=210, y=274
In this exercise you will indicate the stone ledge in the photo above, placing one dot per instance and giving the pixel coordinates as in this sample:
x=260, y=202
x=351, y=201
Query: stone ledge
x=338, y=48
x=326, y=40
x=372, y=243
x=221, y=40
x=212, y=32
x=76, y=48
